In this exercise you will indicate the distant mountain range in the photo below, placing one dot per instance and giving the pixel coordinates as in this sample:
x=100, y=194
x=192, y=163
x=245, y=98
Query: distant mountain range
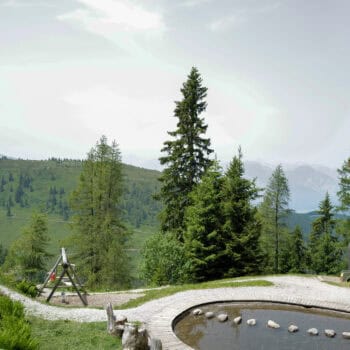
x=308, y=184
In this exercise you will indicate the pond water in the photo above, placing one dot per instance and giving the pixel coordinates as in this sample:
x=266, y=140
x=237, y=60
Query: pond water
x=203, y=334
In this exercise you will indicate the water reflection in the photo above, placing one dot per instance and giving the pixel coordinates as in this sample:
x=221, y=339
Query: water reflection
x=203, y=334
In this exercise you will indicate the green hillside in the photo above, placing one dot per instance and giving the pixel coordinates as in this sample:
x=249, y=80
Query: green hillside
x=27, y=186
x=45, y=186
x=304, y=220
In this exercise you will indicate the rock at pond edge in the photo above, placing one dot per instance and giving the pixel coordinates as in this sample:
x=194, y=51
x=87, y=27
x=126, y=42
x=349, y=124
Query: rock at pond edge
x=237, y=320
x=293, y=328
x=273, y=324
x=222, y=317
x=197, y=312
x=346, y=335
x=209, y=314
x=313, y=331
x=251, y=322
x=330, y=333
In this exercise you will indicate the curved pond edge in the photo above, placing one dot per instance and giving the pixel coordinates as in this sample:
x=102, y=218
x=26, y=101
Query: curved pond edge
x=261, y=302
x=296, y=291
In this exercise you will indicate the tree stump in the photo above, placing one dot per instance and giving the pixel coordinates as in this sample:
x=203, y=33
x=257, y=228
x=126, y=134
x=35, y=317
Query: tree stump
x=156, y=344
x=110, y=319
x=134, y=338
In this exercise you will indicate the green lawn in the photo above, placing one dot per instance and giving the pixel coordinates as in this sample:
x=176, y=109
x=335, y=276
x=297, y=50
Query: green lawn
x=64, y=335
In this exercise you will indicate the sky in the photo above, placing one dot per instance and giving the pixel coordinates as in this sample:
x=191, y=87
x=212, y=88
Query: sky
x=277, y=73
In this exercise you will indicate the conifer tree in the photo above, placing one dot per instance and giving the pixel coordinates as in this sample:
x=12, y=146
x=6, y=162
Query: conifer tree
x=294, y=255
x=204, y=239
x=274, y=210
x=344, y=199
x=324, y=247
x=3, y=254
x=28, y=255
x=241, y=227
x=186, y=155
x=99, y=235
x=344, y=184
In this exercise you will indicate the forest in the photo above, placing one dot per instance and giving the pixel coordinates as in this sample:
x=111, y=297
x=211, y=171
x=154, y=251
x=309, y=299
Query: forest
x=192, y=222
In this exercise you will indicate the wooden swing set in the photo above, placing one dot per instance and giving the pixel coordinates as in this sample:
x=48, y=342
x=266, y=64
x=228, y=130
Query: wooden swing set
x=67, y=269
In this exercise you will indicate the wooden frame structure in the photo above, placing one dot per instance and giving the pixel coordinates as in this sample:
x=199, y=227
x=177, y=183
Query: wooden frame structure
x=66, y=267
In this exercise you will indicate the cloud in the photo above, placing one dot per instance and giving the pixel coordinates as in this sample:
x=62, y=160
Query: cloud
x=226, y=23
x=244, y=14
x=17, y=3
x=193, y=3
x=105, y=17
x=128, y=118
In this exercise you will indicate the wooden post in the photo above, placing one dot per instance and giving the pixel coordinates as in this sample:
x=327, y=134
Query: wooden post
x=64, y=258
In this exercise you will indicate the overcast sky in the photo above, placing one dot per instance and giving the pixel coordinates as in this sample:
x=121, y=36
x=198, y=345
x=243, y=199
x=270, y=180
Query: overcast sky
x=277, y=73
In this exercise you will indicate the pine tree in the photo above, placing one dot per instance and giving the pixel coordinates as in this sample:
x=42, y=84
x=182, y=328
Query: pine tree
x=324, y=247
x=294, y=253
x=344, y=184
x=8, y=209
x=204, y=239
x=3, y=254
x=28, y=255
x=19, y=194
x=241, y=227
x=3, y=181
x=187, y=155
x=99, y=235
x=344, y=199
x=274, y=210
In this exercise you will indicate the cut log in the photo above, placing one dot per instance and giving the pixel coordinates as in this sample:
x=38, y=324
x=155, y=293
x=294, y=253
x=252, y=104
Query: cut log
x=156, y=344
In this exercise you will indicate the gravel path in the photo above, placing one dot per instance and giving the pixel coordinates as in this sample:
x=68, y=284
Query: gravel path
x=159, y=314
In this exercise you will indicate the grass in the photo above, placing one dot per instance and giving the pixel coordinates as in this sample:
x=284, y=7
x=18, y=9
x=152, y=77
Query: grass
x=62, y=335
x=164, y=292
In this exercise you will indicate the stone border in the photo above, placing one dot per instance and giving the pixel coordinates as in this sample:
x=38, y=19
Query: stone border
x=161, y=324
x=159, y=314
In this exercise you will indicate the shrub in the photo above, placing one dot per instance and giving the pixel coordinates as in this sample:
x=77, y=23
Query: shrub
x=15, y=331
x=28, y=288
x=163, y=260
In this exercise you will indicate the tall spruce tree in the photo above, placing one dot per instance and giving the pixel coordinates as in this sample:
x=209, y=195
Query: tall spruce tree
x=99, y=235
x=294, y=257
x=204, y=239
x=187, y=155
x=324, y=247
x=344, y=199
x=241, y=226
x=274, y=210
x=344, y=184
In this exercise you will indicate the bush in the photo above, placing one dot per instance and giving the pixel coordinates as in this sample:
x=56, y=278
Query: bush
x=28, y=288
x=15, y=331
x=163, y=260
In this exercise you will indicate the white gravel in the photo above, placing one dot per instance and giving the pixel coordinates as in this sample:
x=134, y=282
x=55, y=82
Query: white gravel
x=294, y=289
